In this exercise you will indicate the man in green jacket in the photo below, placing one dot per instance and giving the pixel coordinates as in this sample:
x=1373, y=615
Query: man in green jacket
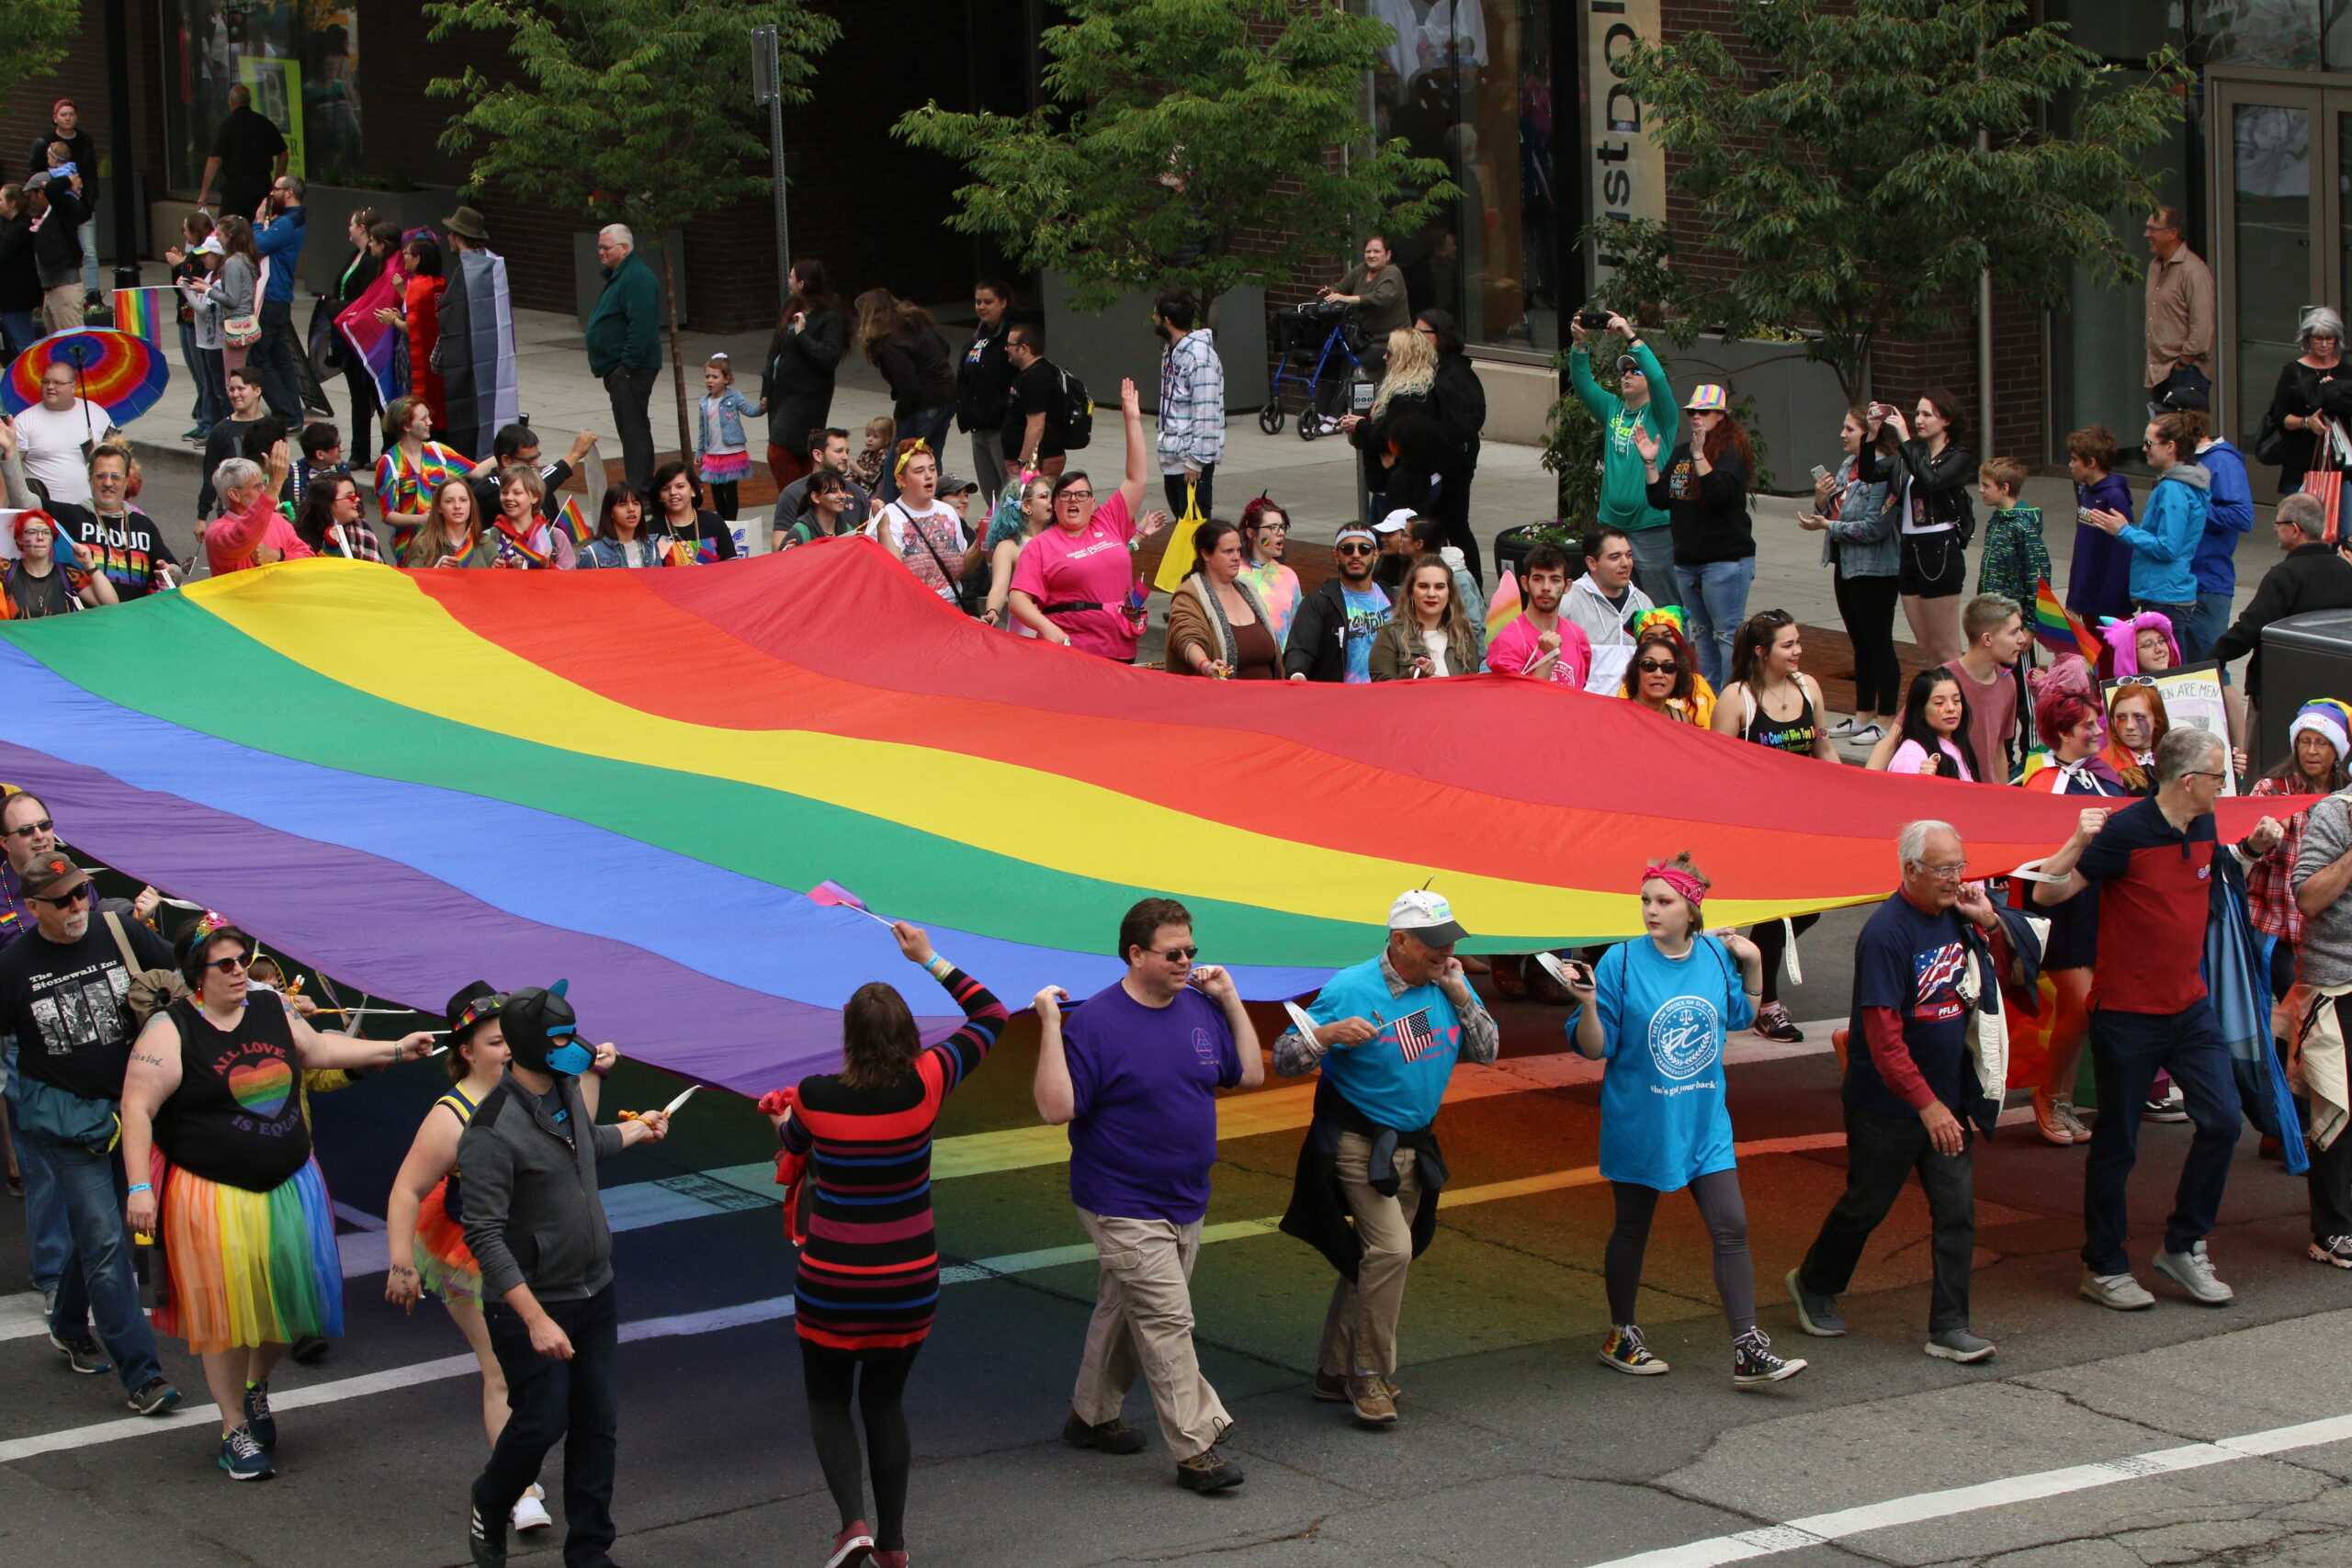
x=1625, y=500
x=625, y=348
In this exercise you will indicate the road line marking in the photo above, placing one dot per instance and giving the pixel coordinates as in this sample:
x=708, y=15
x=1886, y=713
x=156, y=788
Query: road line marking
x=744, y=1313
x=1925, y=1507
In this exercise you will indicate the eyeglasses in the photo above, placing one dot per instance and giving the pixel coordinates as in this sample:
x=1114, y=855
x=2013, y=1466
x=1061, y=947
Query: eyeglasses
x=1175, y=955
x=1659, y=667
x=234, y=962
x=1076, y=496
x=2200, y=773
x=29, y=830
x=1356, y=551
x=66, y=899
x=1952, y=873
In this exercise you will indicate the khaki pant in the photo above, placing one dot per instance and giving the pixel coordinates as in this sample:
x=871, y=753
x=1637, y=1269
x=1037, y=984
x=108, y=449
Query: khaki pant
x=1359, y=1331
x=1143, y=1323
x=61, y=307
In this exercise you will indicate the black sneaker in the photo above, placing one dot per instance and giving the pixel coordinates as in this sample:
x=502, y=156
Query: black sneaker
x=1112, y=1437
x=1816, y=1315
x=154, y=1397
x=487, y=1540
x=1772, y=1022
x=242, y=1459
x=311, y=1350
x=1752, y=1360
x=1207, y=1470
x=258, y=1420
x=81, y=1353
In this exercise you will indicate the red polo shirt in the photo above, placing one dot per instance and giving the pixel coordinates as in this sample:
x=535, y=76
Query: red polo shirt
x=2157, y=886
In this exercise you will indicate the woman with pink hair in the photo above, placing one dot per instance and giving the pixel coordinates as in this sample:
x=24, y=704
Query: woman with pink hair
x=1657, y=1009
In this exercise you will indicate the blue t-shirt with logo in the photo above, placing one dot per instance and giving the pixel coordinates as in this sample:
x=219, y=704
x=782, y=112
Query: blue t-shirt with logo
x=1367, y=612
x=1398, y=1076
x=1145, y=1080
x=1912, y=961
x=1664, y=1117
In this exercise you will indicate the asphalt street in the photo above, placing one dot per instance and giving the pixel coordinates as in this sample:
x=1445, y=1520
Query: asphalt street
x=2179, y=1435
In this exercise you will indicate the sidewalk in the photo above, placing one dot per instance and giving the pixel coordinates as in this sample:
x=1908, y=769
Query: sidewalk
x=1314, y=481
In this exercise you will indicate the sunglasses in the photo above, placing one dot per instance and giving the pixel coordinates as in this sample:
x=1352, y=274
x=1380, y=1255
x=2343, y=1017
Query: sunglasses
x=1175, y=955
x=1659, y=667
x=66, y=899
x=1357, y=550
x=29, y=830
x=235, y=961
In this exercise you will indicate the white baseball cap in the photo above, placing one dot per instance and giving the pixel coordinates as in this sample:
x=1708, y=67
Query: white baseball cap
x=1395, y=521
x=1427, y=915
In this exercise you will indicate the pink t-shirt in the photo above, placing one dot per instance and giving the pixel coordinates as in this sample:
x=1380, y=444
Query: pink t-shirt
x=229, y=541
x=1513, y=650
x=1091, y=566
x=1912, y=758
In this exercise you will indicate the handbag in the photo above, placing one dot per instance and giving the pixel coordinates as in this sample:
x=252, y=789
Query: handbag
x=241, y=332
x=1176, y=564
x=2270, y=439
x=61, y=1116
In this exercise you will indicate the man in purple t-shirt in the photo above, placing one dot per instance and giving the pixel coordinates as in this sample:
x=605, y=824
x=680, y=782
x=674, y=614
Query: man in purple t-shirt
x=1135, y=1074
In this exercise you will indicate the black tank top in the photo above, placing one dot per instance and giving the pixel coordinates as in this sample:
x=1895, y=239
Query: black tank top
x=1795, y=736
x=237, y=1116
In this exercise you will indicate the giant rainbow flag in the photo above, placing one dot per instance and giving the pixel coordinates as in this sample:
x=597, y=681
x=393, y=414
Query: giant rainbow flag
x=633, y=778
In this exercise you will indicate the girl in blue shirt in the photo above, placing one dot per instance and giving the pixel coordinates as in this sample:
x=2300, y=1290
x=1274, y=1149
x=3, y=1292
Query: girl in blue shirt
x=1658, y=1009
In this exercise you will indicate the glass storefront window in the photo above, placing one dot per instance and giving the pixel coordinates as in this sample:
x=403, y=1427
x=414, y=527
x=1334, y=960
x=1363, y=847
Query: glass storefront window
x=2280, y=34
x=299, y=58
x=1469, y=81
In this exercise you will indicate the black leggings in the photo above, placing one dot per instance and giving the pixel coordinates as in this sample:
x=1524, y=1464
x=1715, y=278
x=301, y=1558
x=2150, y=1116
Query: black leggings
x=723, y=498
x=1770, y=938
x=1725, y=1215
x=1867, y=606
x=831, y=1376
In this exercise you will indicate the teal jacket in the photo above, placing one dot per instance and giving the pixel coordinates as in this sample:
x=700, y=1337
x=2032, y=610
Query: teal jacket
x=1624, y=498
x=625, y=330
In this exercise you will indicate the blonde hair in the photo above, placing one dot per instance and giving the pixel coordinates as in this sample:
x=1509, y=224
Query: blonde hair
x=881, y=430
x=1412, y=368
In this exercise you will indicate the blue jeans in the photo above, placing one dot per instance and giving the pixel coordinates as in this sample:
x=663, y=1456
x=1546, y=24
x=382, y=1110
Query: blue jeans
x=97, y=1284
x=22, y=327
x=46, y=1235
x=2206, y=625
x=1654, y=565
x=2127, y=1050
x=575, y=1402
x=1714, y=597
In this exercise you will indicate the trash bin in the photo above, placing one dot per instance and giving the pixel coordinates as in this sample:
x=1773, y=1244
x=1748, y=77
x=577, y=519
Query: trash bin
x=2302, y=657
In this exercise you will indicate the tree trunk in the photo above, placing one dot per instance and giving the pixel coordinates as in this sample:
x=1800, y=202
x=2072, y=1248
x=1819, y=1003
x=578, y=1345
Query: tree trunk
x=677, y=364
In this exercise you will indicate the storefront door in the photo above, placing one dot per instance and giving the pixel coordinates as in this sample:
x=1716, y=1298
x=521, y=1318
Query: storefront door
x=2283, y=227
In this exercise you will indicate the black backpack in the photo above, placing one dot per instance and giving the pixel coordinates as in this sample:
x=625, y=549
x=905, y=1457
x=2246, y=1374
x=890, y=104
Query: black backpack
x=1074, y=419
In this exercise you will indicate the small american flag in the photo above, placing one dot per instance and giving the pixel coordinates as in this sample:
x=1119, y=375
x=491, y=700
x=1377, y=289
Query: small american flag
x=1413, y=1036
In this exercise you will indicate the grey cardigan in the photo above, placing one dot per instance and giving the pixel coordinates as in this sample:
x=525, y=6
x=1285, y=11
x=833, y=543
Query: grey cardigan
x=1861, y=539
x=532, y=1216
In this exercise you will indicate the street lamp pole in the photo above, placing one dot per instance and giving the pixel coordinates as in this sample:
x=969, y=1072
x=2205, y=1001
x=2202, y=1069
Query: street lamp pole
x=118, y=176
x=767, y=88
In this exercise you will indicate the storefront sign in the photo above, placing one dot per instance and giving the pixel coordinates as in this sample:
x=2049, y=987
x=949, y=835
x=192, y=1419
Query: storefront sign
x=1628, y=174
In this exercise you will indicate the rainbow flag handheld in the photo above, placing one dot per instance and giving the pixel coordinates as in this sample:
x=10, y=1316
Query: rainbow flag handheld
x=1505, y=606
x=141, y=313
x=2058, y=628
x=572, y=518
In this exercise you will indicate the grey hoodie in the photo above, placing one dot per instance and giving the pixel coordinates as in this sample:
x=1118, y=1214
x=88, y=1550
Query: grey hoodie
x=1604, y=624
x=532, y=1216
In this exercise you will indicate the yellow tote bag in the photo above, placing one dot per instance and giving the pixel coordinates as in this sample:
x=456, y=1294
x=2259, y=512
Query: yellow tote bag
x=1178, y=558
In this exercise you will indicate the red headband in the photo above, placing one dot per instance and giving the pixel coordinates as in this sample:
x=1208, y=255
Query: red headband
x=1681, y=881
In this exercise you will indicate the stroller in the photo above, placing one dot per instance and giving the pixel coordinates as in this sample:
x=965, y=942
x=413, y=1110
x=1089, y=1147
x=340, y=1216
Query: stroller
x=1315, y=350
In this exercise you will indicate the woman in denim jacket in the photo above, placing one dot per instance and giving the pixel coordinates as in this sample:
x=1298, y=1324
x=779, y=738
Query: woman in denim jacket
x=1857, y=523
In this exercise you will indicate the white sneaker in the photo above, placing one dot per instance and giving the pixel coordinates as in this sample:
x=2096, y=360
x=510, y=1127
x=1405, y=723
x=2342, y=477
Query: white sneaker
x=1842, y=728
x=2193, y=1272
x=2118, y=1291
x=531, y=1512
x=2336, y=1250
x=1869, y=735
x=2070, y=1116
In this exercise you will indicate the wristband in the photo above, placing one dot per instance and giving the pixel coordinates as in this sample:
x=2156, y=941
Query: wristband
x=938, y=965
x=138, y=1187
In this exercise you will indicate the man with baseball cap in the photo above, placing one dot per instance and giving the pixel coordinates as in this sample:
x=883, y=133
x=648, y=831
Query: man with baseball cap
x=62, y=987
x=1331, y=636
x=1385, y=1034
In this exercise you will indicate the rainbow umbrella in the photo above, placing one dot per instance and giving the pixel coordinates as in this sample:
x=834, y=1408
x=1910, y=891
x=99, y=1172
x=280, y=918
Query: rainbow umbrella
x=122, y=374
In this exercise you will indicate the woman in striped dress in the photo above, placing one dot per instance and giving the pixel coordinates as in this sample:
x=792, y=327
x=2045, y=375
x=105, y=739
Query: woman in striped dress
x=868, y=1280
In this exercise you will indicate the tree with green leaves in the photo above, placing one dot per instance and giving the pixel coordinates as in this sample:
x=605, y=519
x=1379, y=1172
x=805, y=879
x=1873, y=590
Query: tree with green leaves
x=38, y=32
x=1866, y=160
x=629, y=111
x=1195, y=144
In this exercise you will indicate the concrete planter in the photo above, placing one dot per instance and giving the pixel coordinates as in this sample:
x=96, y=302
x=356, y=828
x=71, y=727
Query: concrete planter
x=1798, y=403
x=1103, y=349
x=326, y=250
